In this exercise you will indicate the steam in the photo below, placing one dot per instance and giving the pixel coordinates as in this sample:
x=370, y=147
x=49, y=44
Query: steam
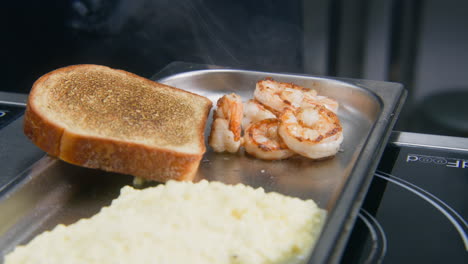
x=152, y=33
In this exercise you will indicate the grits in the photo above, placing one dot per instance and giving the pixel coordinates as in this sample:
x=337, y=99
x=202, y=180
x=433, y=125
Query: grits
x=184, y=222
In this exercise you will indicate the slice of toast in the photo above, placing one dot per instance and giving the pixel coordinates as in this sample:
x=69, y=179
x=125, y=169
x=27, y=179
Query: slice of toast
x=98, y=117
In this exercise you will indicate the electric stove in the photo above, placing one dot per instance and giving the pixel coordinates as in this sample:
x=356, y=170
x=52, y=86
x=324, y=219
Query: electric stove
x=416, y=208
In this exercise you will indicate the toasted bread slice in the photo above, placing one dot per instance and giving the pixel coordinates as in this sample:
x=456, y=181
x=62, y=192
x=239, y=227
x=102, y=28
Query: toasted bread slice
x=98, y=117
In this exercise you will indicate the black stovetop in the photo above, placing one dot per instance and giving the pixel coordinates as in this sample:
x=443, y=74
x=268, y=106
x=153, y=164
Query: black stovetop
x=417, y=206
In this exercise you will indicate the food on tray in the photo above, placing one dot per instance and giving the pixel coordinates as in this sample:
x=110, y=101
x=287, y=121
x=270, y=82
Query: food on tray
x=99, y=117
x=254, y=111
x=319, y=100
x=226, y=127
x=261, y=140
x=314, y=132
x=280, y=95
x=285, y=119
x=184, y=222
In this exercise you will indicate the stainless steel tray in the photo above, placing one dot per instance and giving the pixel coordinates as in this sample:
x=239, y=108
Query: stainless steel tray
x=53, y=192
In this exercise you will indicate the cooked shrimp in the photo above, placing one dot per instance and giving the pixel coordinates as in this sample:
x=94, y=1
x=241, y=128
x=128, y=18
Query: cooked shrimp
x=278, y=95
x=261, y=140
x=314, y=132
x=253, y=112
x=226, y=128
x=330, y=104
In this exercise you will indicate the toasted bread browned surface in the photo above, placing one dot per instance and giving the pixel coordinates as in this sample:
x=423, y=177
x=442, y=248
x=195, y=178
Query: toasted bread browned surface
x=99, y=117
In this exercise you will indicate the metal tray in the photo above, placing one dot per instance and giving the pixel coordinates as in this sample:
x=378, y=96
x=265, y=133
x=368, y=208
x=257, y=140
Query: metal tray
x=52, y=192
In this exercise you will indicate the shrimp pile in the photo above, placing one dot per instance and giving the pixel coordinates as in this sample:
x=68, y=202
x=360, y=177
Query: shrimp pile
x=282, y=120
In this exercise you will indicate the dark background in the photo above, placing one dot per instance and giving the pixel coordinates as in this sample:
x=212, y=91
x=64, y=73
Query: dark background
x=142, y=36
x=422, y=44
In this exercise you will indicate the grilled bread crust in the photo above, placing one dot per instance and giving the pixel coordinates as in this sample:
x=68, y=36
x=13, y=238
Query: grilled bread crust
x=176, y=138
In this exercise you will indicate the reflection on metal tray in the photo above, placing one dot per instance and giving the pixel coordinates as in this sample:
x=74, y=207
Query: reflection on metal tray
x=54, y=192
